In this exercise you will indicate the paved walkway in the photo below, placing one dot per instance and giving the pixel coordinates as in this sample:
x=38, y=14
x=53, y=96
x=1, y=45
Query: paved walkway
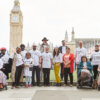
x=50, y=93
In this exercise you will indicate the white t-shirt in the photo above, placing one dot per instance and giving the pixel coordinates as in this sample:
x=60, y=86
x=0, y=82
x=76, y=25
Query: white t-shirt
x=5, y=58
x=30, y=63
x=57, y=58
x=95, y=56
x=35, y=55
x=23, y=53
x=46, y=57
x=79, y=52
x=63, y=49
x=1, y=64
x=19, y=59
x=84, y=64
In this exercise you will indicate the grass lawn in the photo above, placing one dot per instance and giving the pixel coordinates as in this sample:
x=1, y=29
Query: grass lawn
x=52, y=76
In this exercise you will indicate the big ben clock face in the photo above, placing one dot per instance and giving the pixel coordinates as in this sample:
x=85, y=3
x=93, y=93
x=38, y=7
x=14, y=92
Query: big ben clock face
x=15, y=18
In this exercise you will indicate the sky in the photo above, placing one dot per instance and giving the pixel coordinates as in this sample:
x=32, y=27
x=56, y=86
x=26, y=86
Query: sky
x=51, y=19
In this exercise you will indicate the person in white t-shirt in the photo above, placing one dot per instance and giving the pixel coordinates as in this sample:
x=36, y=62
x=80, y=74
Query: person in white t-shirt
x=36, y=55
x=28, y=65
x=95, y=61
x=5, y=58
x=79, y=52
x=23, y=53
x=17, y=66
x=47, y=61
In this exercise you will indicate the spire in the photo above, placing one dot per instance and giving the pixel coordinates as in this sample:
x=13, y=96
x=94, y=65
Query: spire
x=16, y=7
x=17, y=3
x=66, y=37
x=73, y=34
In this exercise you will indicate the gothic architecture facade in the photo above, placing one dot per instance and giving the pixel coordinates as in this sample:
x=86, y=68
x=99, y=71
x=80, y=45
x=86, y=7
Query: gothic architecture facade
x=88, y=43
x=16, y=26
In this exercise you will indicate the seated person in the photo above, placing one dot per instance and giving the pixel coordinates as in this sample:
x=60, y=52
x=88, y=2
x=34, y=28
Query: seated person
x=3, y=77
x=85, y=69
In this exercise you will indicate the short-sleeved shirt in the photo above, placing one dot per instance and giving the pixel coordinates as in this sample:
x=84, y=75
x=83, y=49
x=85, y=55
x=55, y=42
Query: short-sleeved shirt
x=35, y=56
x=95, y=56
x=23, y=53
x=63, y=49
x=5, y=58
x=46, y=57
x=57, y=58
x=1, y=64
x=79, y=52
x=28, y=62
x=19, y=59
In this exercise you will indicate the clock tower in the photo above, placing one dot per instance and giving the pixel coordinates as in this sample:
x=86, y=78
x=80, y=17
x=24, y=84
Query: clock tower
x=16, y=26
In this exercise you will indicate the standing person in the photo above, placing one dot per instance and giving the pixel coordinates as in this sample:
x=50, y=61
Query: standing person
x=62, y=51
x=36, y=55
x=79, y=52
x=5, y=58
x=47, y=65
x=68, y=60
x=28, y=64
x=57, y=59
x=42, y=48
x=23, y=53
x=95, y=61
x=44, y=44
x=16, y=67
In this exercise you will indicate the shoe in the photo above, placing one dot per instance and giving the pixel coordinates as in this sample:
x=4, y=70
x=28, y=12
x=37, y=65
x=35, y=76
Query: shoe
x=58, y=84
x=26, y=86
x=5, y=87
x=61, y=79
x=17, y=87
x=29, y=85
x=65, y=85
x=33, y=84
x=12, y=87
x=38, y=85
x=71, y=85
x=21, y=84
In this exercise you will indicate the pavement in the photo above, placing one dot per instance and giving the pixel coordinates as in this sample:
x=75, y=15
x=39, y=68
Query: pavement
x=49, y=93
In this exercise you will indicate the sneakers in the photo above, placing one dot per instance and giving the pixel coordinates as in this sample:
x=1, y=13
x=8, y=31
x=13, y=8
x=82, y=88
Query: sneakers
x=27, y=86
x=71, y=85
x=65, y=85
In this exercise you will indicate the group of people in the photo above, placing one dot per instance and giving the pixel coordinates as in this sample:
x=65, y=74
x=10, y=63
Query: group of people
x=28, y=64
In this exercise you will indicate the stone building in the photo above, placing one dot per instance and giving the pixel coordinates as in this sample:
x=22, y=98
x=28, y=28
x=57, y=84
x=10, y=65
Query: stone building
x=16, y=26
x=88, y=43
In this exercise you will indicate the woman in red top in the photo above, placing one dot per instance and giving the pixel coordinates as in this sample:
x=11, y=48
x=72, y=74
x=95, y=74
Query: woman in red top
x=68, y=61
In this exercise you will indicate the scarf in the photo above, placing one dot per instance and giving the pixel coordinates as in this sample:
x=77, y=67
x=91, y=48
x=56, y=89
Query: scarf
x=13, y=70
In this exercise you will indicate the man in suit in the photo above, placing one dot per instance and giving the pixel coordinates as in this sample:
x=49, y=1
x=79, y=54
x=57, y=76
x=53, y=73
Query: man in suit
x=62, y=51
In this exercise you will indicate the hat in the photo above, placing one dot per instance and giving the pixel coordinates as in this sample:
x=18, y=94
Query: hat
x=45, y=39
x=3, y=48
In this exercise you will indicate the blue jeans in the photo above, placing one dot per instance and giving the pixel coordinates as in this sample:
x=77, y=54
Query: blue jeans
x=28, y=80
